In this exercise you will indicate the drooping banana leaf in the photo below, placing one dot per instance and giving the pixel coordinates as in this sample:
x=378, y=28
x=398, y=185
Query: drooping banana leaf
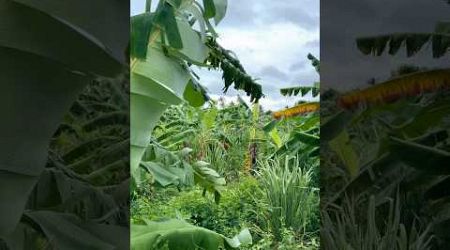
x=69, y=45
x=105, y=22
x=302, y=90
x=69, y=232
x=413, y=42
x=179, y=235
x=162, y=78
x=31, y=86
x=156, y=83
x=46, y=58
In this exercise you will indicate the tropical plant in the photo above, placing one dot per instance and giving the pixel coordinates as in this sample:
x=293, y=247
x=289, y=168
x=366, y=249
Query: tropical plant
x=84, y=186
x=303, y=90
x=164, y=44
x=343, y=230
x=304, y=137
x=414, y=42
x=179, y=235
x=58, y=66
x=393, y=136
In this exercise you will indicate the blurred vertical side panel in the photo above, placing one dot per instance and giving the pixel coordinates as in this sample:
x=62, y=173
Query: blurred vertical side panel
x=64, y=128
x=385, y=123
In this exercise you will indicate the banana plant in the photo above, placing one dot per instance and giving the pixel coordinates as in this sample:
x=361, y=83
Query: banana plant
x=173, y=168
x=303, y=90
x=44, y=67
x=400, y=130
x=304, y=138
x=180, y=235
x=163, y=46
x=412, y=42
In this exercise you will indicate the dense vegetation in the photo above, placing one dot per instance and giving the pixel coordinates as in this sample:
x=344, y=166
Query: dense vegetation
x=64, y=134
x=384, y=168
x=269, y=189
x=204, y=171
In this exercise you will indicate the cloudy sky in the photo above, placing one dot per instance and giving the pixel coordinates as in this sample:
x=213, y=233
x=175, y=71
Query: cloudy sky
x=344, y=67
x=272, y=40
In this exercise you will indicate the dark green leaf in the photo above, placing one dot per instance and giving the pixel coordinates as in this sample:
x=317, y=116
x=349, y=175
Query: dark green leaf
x=166, y=19
x=210, y=8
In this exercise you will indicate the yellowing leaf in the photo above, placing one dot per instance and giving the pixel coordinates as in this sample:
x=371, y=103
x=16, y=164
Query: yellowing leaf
x=297, y=110
x=392, y=90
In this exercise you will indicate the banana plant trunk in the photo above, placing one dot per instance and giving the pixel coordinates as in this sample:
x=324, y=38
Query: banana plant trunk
x=48, y=52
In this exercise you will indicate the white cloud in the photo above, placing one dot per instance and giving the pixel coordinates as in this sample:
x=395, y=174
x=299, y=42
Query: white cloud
x=267, y=34
x=277, y=44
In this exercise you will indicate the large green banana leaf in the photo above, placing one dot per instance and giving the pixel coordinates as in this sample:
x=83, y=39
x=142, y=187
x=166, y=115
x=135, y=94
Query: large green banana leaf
x=179, y=235
x=57, y=40
x=68, y=232
x=32, y=105
x=159, y=81
x=104, y=22
x=48, y=53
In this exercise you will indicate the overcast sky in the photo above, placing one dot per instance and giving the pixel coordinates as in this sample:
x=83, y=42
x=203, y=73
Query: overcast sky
x=343, y=66
x=272, y=40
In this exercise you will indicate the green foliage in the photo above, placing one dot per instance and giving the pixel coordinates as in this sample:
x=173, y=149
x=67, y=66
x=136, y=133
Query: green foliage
x=235, y=209
x=179, y=235
x=343, y=230
x=303, y=137
x=164, y=45
x=217, y=135
x=220, y=135
x=233, y=72
x=394, y=185
x=225, y=140
x=400, y=145
x=303, y=90
x=58, y=66
x=84, y=186
x=173, y=168
x=414, y=42
x=292, y=200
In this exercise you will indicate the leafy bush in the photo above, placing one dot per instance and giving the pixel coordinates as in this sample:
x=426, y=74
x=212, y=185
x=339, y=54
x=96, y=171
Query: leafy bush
x=235, y=210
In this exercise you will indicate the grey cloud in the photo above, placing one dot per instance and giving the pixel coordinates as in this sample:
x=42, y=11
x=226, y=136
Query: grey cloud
x=294, y=13
x=343, y=65
x=247, y=13
x=240, y=13
x=273, y=72
x=305, y=78
x=298, y=65
x=314, y=44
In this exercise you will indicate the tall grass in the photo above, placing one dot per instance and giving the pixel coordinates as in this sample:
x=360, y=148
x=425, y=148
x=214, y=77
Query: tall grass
x=343, y=229
x=292, y=201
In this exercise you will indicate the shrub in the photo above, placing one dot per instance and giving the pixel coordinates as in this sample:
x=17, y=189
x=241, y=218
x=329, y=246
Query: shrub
x=235, y=210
